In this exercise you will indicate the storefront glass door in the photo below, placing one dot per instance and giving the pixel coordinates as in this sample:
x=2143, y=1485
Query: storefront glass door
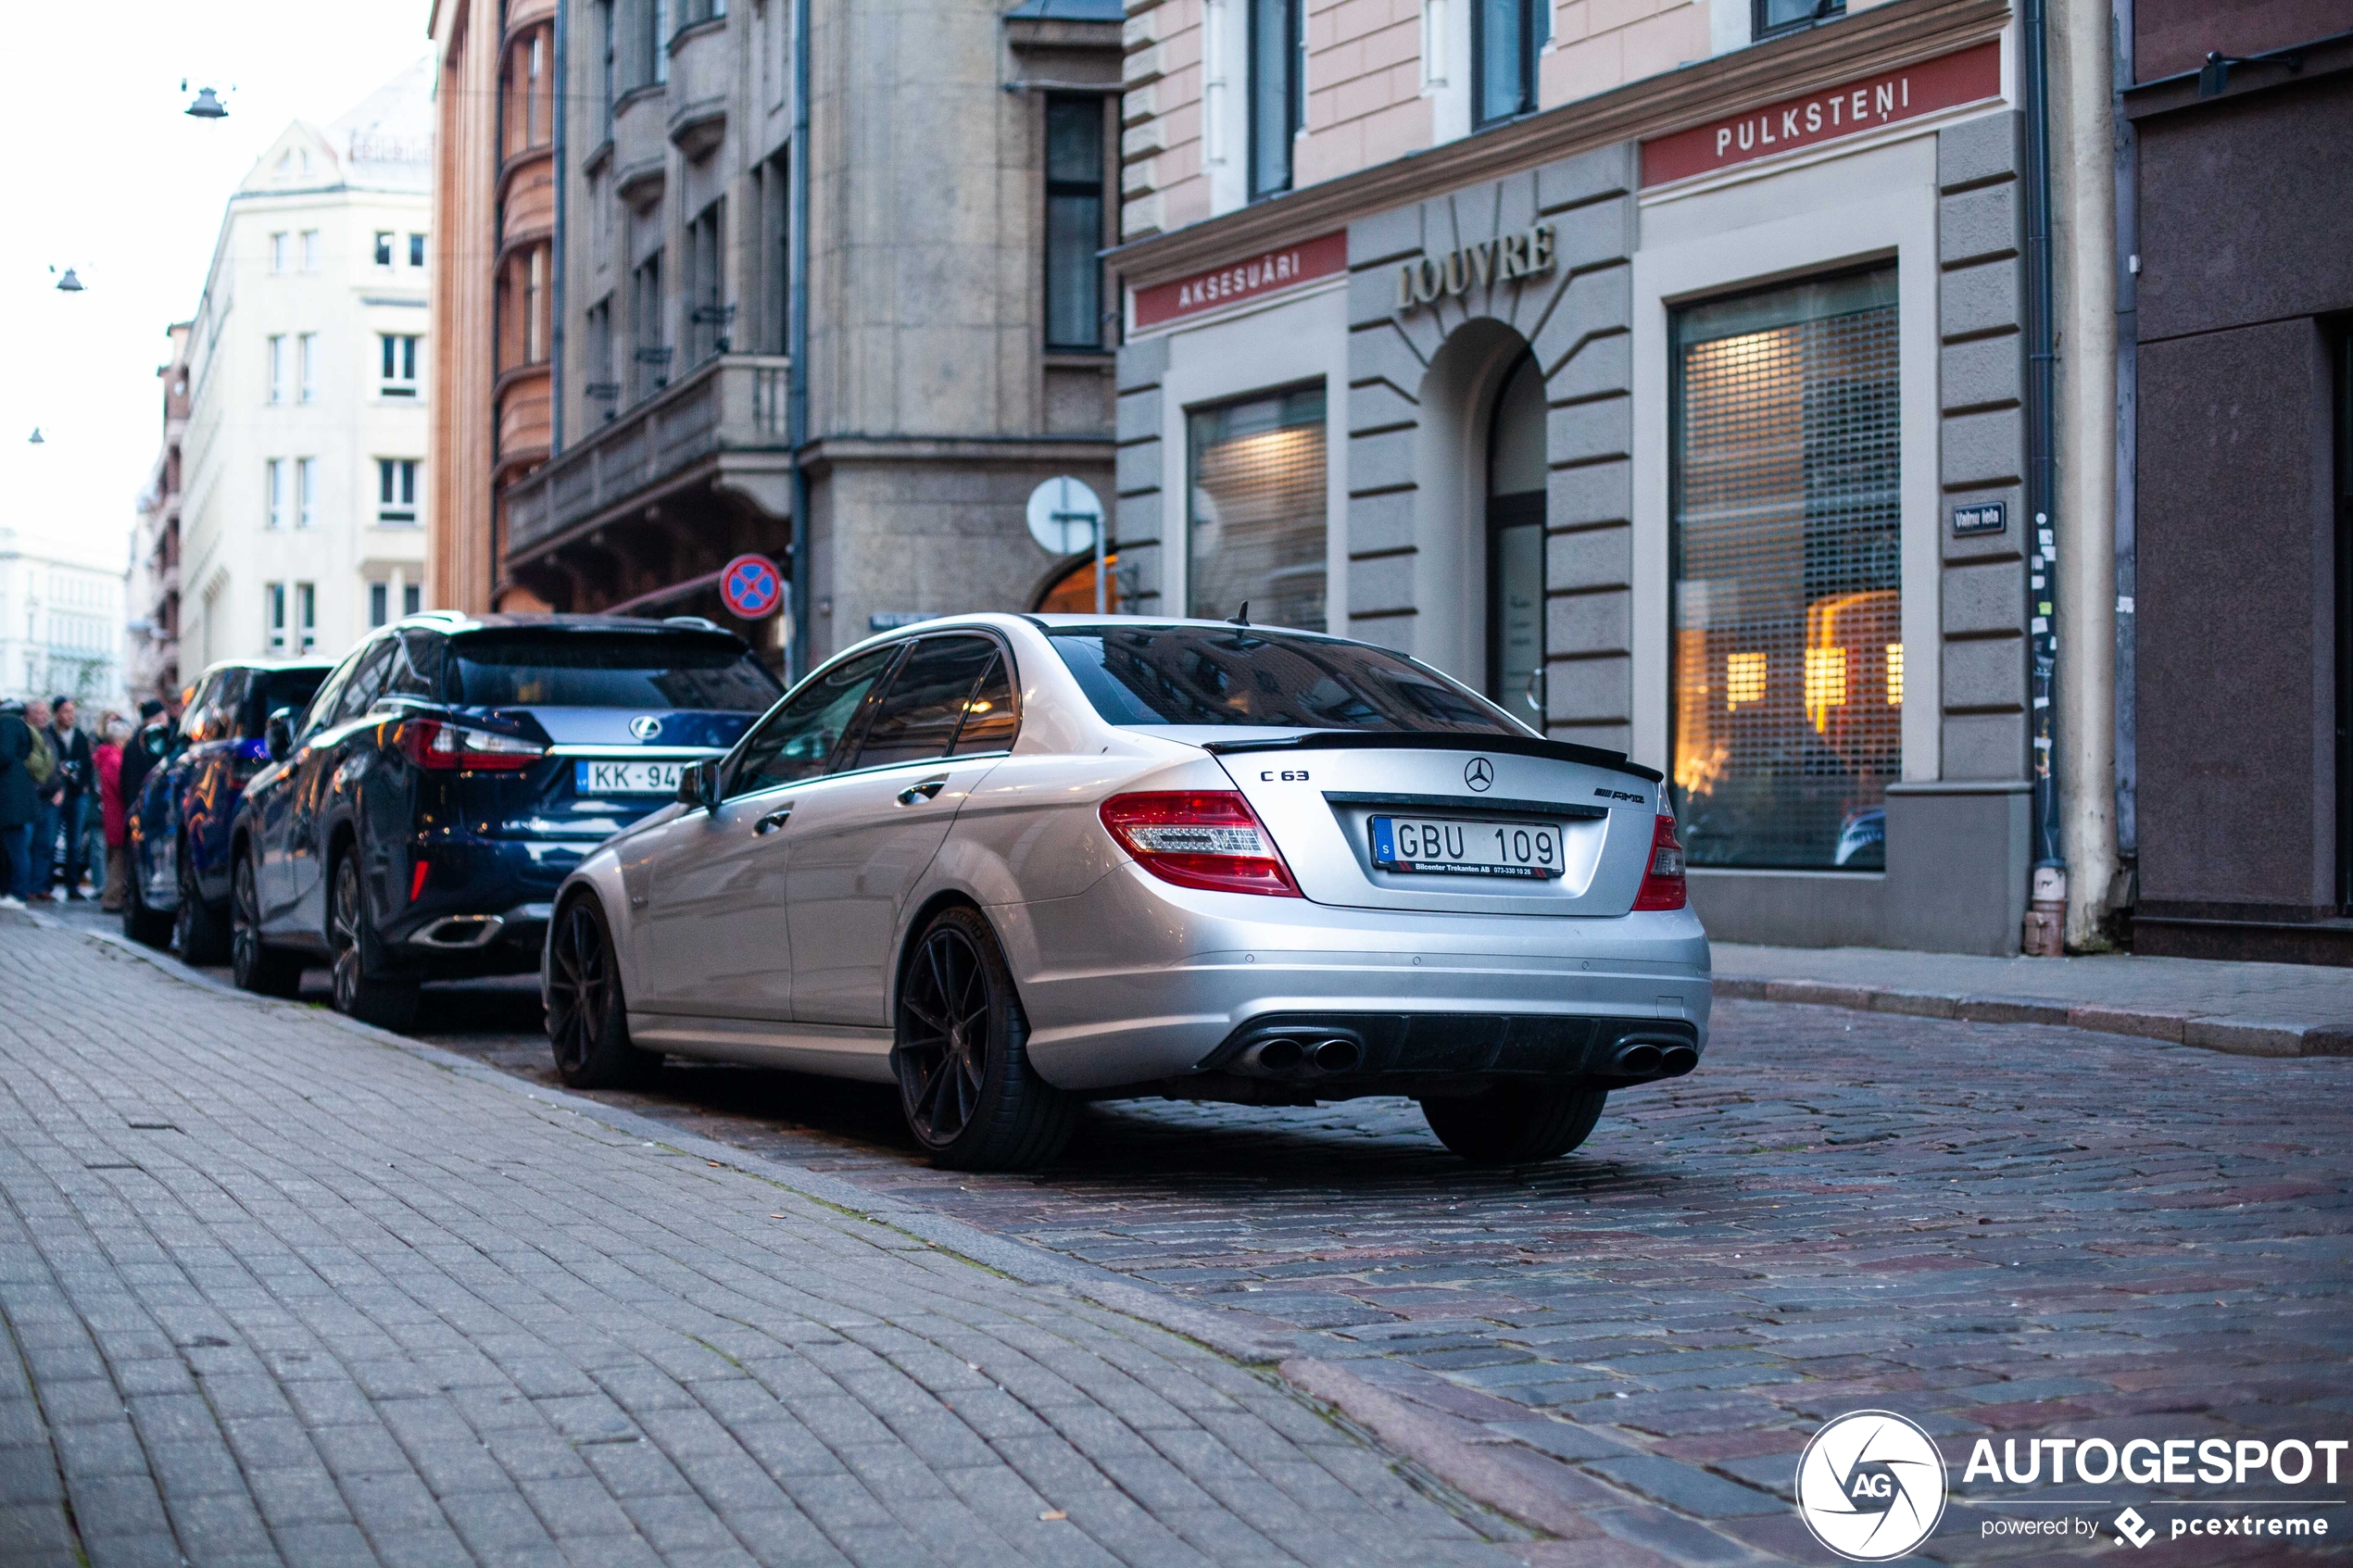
x=1788, y=653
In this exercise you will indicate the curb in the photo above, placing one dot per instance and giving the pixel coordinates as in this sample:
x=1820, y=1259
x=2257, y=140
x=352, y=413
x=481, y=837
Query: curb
x=2213, y=1031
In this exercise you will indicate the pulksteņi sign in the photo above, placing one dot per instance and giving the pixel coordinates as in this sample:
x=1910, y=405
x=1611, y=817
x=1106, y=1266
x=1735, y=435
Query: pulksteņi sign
x=1272, y=271
x=1965, y=76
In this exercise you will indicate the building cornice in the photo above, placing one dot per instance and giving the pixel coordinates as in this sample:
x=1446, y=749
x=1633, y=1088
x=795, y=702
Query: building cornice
x=1746, y=79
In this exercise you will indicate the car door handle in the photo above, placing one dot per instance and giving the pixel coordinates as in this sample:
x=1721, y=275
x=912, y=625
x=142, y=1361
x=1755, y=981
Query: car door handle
x=772, y=822
x=927, y=790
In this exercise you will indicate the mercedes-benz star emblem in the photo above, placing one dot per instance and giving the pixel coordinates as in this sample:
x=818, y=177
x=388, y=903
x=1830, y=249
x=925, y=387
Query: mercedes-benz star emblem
x=1479, y=773
x=644, y=726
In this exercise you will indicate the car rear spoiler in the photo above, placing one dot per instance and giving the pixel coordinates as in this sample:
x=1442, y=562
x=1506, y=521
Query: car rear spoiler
x=1438, y=740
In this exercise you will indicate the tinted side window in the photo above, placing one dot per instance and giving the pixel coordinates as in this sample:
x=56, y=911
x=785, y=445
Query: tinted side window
x=269, y=691
x=918, y=717
x=194, y=718
x=315, y=717
x=989, y=717
x=366, y=683
x=799, y=740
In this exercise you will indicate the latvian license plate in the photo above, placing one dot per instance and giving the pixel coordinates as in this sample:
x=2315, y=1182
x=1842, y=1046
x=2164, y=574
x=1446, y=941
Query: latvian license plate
x=625, y=778
x=1528, y=851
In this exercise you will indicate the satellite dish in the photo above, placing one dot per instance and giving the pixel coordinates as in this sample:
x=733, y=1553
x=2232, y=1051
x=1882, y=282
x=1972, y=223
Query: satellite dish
x=1064, y=515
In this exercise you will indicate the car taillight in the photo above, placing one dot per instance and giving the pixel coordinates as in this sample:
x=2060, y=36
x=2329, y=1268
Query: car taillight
x=432, y=744
x=1206, y=838
x=1663, y=886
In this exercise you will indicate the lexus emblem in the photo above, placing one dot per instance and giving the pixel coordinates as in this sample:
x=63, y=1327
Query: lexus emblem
x=1479, y=773
x=644, y=726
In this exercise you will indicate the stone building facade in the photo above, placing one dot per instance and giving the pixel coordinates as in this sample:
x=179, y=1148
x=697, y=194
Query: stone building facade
x=1681, y=409
x=303, y=465
x=961, y=182
x=151, y=652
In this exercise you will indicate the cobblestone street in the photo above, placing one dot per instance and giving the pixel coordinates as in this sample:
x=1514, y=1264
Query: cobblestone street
x=2010, y=1231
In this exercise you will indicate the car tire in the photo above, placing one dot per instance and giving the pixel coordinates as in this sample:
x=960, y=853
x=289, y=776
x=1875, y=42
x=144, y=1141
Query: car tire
x=960, y=1054
x=199, y=931
x=253, y=963
x=149, y=928
x=1515, y=1125
x=362, y=988
x=588, y=1016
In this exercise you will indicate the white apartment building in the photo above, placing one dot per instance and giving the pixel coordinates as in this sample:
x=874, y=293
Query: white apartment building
x=302, y=515
x=60, y=620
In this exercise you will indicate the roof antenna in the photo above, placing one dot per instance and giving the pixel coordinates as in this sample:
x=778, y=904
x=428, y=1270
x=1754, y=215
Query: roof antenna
x=1240, y=617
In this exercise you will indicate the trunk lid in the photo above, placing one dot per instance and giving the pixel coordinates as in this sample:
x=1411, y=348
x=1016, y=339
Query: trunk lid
x=1318, y=793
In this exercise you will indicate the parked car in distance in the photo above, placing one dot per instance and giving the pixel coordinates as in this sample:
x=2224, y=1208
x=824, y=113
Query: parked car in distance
x=178, y=828
x=414, y=821
x=1013, y=863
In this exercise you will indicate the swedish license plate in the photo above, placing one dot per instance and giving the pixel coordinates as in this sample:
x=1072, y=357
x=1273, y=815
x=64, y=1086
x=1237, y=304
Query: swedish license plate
x=626, y=778
x=1523, y=851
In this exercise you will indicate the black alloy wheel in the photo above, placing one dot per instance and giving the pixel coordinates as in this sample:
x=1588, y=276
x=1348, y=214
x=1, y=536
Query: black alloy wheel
x=254, y=964
x=199, y=932
x=1515, y=1125
x=361, y=990
x=970, y=1096
x=587, y=1021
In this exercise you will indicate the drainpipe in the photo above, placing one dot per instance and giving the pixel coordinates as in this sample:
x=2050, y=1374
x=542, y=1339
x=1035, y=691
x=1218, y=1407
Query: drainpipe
x=557, y=99
x=2045, y=930
x=2087, y=514
x=796, y=345
x=2128, y=267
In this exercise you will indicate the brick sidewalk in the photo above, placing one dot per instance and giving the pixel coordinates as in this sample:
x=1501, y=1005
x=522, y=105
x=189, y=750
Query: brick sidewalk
x=280, y=1293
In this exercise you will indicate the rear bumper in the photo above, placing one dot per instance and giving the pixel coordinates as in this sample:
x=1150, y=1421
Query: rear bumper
x=1136, y=981
x=484, y=907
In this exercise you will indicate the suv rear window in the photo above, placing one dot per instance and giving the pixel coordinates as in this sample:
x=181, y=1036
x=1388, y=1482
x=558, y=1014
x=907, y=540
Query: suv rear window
x=607, y=670
x=1208, y=675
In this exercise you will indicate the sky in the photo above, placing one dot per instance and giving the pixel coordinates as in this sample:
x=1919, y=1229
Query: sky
x=110, y=178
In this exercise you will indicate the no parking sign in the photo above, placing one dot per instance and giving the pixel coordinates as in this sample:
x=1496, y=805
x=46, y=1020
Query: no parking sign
x=752, y=587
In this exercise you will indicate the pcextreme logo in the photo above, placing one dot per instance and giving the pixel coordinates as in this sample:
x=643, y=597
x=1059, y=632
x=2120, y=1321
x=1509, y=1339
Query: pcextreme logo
x=1871, y=1485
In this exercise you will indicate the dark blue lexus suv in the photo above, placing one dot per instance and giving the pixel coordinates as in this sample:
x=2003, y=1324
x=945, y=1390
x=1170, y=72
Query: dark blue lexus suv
x=415, y=819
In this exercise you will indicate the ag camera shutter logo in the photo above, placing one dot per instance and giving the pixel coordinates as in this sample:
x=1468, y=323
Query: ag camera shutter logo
x=1871, y=1485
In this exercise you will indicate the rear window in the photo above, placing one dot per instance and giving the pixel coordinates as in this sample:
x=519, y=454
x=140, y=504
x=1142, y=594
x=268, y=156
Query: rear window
x=589, y=670
x=271, y=689
x=1208, y=675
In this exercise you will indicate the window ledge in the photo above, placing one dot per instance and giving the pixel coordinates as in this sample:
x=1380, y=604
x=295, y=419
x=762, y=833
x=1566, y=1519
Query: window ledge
x=595, y=162
x=693, y=30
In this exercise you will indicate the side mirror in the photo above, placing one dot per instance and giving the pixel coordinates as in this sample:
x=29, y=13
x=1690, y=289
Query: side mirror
x=699, y=786
x=278, y=736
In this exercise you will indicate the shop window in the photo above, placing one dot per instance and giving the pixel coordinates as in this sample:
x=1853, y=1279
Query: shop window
x=1073, y=222
x=1768, y=18
x=1516, y=473
x=1255, y=510
x=1788, y=642
x=1510, y=34
x=1277, y=89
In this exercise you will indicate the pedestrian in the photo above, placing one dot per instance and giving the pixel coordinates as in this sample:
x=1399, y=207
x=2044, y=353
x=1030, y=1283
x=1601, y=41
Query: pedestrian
x=19, y=806
x=139, y=754
x=76, y=767
x=50, y=789
x=107, y=755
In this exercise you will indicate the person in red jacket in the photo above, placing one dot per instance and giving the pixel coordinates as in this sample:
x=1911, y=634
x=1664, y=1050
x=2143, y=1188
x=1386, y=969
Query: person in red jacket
x=108, y=757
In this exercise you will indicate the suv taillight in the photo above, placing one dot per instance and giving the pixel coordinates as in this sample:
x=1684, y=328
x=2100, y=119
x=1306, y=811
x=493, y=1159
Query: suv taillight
x=1205, y=838
x=1663, y=886
x=430, y=742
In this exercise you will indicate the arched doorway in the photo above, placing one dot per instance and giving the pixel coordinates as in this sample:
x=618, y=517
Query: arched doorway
x=1514, y=543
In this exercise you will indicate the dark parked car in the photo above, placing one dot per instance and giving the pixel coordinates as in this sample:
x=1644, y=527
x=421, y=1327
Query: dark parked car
x=179, y=824
x=416, y=819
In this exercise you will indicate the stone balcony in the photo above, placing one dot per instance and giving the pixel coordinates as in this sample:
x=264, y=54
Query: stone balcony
x=720, y=426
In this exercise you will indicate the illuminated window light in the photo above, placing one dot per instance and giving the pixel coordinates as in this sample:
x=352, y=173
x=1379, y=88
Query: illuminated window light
x=1743, y=679
x=1825, y=685
x=1895, y=675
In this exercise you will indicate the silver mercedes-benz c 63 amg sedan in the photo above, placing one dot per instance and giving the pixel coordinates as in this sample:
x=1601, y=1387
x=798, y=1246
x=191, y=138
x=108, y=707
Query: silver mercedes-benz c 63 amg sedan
x=1013, y=863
